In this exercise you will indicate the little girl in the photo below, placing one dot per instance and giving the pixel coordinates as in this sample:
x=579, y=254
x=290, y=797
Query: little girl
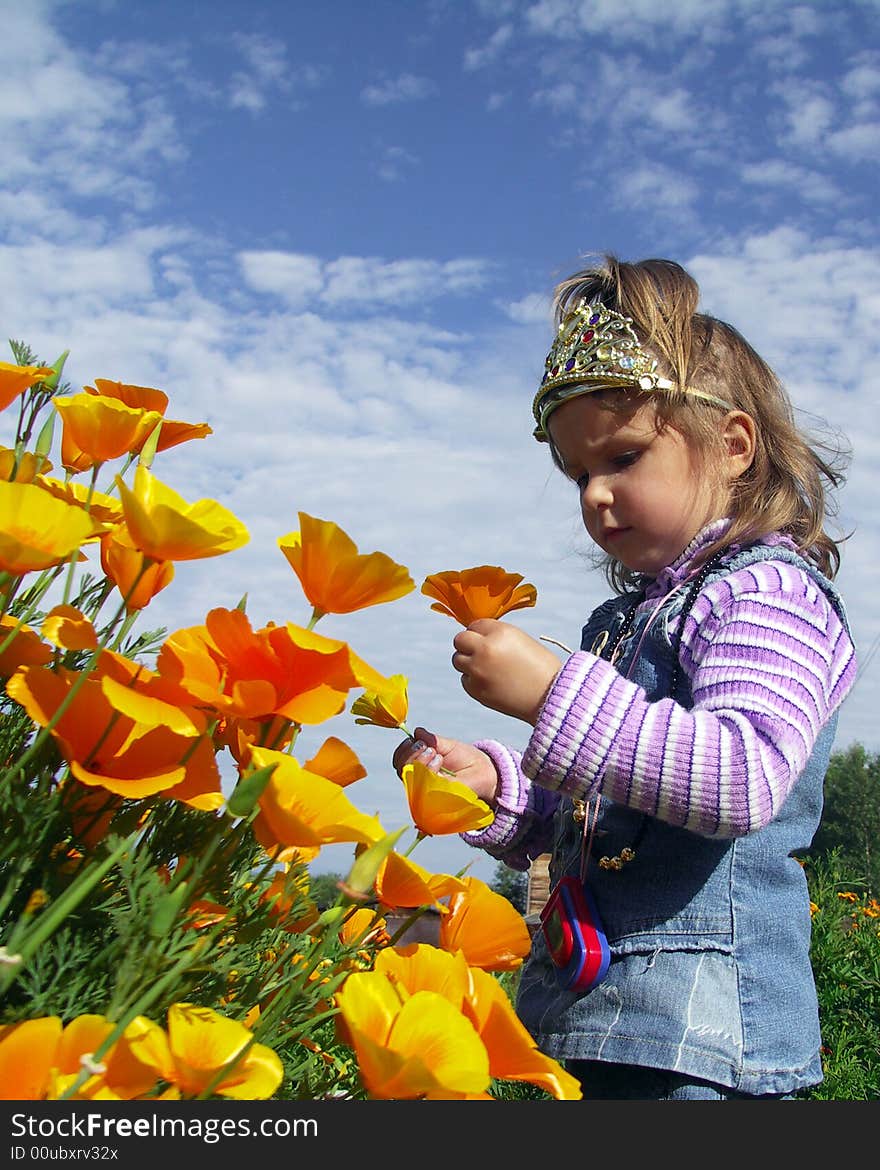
x=676, y=762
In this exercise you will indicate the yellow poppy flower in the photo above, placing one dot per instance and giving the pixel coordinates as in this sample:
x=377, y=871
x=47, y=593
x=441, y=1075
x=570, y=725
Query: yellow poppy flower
x=96, y=430
x=300, y=808
x=24, y=469
x=513, y=1054
x=488, y=930
x=106, y=509
x=410, y=1046
x=200, y=1042
x=387, y=707
x=37, y=531
x=14, y=380
x=486, y=591
x=439, y=805
x=165, y=527
x=334, y=576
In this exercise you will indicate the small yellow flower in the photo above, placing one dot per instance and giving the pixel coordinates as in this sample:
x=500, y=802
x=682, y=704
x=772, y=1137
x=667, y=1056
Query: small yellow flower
x=387, y=707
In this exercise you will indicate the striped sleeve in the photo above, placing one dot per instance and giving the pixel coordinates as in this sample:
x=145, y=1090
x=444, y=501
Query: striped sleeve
x=769, y=661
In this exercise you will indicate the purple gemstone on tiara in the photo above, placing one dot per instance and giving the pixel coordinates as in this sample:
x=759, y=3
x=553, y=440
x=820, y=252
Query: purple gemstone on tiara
x=569, y=365
x=594, y=320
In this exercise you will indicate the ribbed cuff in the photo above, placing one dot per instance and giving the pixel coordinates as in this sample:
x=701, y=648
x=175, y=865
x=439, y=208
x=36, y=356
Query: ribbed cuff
x=510, y=802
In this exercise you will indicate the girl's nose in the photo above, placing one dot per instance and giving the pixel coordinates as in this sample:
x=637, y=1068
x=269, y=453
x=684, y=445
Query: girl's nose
x=596, y=493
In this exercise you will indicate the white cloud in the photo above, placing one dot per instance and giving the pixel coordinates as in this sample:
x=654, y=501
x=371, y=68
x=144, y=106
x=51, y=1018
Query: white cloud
x=492, y=50
x=359, y=280
x=407, y=87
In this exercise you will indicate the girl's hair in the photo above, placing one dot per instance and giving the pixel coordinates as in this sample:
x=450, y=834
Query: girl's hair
x=788, y=486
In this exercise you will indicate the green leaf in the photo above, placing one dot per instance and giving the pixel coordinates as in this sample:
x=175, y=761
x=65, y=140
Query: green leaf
x=363, y=873
x=249, y=790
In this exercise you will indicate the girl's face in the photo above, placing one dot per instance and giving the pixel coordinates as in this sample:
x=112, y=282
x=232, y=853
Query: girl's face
x=644, y=496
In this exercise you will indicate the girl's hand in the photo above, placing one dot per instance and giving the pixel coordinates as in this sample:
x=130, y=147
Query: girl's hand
x=504, y=668
x=471, y=766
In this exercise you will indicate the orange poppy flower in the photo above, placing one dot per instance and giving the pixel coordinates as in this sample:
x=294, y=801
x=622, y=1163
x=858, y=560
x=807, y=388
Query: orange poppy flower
x=440, y=805
x=137, y=577
x=27, y=1057
x=278, y=670
x=69, y=629
x=334, y=576
x=363, y=926
x=486, y=591
x=14, y=380
x=336, y=761
x=116, y=738
x=96, y=430
x=24, y=648
x=172, y=433
x=488, y=930
x=410, y=1045
x=513, y=1053
x=401, y=882
x=300, y=808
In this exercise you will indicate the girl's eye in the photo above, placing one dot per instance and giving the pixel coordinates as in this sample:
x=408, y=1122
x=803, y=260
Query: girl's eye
x=582, y=481
x=626, y=459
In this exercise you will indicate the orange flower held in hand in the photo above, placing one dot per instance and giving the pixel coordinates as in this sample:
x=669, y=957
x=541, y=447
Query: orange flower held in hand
x=486, y=591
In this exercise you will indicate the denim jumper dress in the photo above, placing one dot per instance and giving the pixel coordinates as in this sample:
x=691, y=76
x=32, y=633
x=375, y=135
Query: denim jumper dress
x=710, y=971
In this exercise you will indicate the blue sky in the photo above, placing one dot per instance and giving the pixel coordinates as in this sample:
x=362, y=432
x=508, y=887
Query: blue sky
x=332, y=232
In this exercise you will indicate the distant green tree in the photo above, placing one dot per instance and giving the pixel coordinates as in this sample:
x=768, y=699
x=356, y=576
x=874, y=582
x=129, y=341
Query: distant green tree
x=511, y=884
x=851, y=817
x=324, y=889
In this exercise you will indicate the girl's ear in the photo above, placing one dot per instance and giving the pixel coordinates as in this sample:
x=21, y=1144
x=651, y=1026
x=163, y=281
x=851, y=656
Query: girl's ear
x=739, y=442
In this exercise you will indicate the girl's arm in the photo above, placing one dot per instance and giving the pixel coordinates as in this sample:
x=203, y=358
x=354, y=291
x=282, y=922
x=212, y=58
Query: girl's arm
x=769, y=660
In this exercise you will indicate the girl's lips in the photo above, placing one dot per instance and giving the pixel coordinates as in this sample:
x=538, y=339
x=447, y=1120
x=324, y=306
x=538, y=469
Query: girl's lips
x=612, y=534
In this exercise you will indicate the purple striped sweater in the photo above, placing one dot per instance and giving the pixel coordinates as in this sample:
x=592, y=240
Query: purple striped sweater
x=769, y=661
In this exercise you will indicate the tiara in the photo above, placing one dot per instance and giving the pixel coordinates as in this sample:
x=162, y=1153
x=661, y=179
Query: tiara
x=597, y=348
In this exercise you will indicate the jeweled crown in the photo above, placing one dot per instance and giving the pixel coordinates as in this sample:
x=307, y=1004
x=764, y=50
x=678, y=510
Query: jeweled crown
x=594, y=347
